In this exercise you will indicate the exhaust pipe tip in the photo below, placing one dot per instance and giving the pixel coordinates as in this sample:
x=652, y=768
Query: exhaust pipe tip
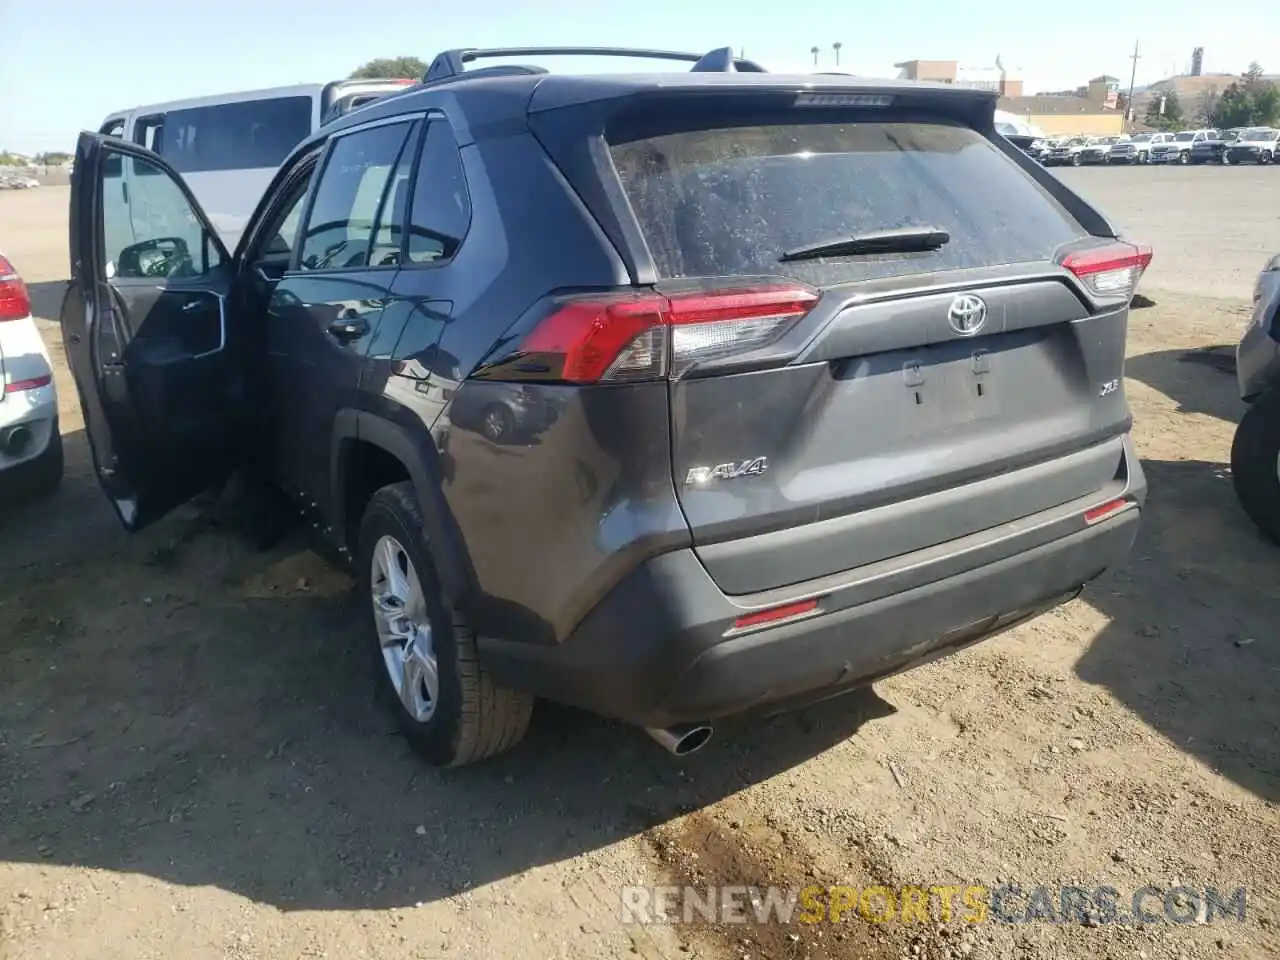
x=683, y=739
x=17, y=441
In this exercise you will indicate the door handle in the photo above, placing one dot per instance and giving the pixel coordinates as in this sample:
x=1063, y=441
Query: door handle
x=349, y=328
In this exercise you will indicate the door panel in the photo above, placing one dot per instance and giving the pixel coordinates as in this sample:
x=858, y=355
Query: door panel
x=315, y=368
x=324, y=312
x=157, y=357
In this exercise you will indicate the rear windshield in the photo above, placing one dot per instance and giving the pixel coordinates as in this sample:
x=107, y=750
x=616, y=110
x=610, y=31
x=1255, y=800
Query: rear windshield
x=730, y=201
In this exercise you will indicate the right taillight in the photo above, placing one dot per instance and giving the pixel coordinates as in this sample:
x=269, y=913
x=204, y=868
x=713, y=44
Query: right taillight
x=644, y=335
x=15, y=302
x=1112, y=270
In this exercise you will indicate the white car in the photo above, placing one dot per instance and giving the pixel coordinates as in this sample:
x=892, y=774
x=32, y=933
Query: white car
x=30, y=445
x=1144, y=142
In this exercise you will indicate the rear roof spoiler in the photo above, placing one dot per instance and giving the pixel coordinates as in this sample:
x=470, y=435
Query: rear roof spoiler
x=452, y=63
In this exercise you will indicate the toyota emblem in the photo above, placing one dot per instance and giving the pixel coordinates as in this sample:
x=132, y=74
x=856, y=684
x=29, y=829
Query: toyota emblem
x=967, y=314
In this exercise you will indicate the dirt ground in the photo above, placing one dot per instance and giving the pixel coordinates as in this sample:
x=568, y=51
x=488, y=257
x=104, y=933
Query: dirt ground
x=192, y=765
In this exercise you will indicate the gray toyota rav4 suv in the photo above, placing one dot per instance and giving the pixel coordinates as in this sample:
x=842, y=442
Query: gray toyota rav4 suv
x=816, y=377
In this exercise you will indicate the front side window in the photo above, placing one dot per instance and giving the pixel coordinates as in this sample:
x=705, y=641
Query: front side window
x=277, y=242
x=149, y=228
x=441, y=211
x=339, y=230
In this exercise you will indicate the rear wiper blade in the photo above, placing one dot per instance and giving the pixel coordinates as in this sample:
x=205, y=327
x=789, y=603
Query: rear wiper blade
x=898, y=240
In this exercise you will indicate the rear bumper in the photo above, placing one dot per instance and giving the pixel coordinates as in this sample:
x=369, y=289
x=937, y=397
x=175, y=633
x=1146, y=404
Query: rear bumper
x=661, y=647
x=35, y=413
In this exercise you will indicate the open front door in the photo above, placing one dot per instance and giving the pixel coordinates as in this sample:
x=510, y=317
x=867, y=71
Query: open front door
x=156, y=354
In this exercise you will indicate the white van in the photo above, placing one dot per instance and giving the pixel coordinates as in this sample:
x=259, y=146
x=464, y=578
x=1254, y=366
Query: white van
x=227, y=147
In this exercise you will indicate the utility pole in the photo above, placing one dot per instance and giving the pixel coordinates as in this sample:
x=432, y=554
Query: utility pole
x=1133, y=76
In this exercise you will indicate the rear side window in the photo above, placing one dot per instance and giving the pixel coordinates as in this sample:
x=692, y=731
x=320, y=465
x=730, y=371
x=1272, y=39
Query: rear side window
x=235, y=136
x=340, y=225
x=441, y=207
x=731, y=201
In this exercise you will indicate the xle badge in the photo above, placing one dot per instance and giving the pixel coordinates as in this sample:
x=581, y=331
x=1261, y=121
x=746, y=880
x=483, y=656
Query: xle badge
x=700, y=476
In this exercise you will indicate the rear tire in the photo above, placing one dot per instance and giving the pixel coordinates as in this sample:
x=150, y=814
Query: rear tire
x=1265, y=158
x=469, y=717
x=497, y=423
x=1255, y=463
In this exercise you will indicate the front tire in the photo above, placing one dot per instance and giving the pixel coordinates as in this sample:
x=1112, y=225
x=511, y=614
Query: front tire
x=427, y=669
x=1184, y=158
x=1265, y=158
x=1255, y=463
x=1076, y=161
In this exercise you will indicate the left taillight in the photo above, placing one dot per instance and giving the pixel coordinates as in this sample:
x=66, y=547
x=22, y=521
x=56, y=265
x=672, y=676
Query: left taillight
x=15, y=301
x=644, y=335
x=1112, y=270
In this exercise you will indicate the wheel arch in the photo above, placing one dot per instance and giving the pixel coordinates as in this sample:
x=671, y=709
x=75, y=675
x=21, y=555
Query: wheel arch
x=355, y=434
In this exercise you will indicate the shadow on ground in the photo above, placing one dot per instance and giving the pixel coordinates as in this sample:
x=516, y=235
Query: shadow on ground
x=46, y=298
x=179, y=705
x=1207, y=678
x=1180, y=375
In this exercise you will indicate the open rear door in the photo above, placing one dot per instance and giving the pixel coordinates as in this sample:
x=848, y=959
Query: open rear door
x=156, y=354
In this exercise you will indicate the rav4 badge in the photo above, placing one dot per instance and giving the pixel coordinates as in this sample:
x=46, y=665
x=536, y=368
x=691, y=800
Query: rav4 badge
x=700, y=476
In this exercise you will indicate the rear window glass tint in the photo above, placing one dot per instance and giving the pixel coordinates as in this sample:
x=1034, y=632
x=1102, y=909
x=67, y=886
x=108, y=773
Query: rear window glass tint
x=729, y=202
x=235, y=136
x=347, y=199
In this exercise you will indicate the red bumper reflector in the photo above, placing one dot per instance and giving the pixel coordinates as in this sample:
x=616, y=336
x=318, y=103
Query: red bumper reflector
x=1110, y=508
x=33, y=384
x=775, y=614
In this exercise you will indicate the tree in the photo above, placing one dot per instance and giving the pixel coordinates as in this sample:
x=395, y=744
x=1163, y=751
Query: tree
x=1253, y=74
x=54, y=158
x=391, y=68
x=1266, y=102
x=1207, y=106
x=1163, y=110
x=1250, y=102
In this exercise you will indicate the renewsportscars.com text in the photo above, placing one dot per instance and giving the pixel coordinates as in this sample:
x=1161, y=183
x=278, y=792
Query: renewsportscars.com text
x=1007, y=903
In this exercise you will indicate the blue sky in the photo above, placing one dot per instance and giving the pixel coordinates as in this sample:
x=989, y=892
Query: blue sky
x=67, y=64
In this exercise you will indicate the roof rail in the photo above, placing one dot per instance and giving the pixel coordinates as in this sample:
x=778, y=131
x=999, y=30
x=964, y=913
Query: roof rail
x=452, y=63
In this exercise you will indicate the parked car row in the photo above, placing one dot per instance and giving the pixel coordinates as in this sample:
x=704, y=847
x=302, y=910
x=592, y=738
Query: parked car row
x=1245, y=145
x=9, y=181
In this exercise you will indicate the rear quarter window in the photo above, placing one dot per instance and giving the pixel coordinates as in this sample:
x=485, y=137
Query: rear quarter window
x=730, y=201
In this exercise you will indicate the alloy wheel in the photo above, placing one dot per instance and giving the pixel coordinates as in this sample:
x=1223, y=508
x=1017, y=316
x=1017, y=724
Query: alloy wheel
x=404, y=629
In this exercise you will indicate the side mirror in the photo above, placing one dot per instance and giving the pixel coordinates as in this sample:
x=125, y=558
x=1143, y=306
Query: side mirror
x=161, y=257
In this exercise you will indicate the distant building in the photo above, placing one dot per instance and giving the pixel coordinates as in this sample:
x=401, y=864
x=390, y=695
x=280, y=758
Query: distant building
x=1104, y=90
x=1060, y=115
x=1197, y=61
x=994, y=78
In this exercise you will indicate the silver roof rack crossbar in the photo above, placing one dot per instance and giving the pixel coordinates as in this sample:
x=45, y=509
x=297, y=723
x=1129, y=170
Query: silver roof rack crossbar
x=452, y=63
